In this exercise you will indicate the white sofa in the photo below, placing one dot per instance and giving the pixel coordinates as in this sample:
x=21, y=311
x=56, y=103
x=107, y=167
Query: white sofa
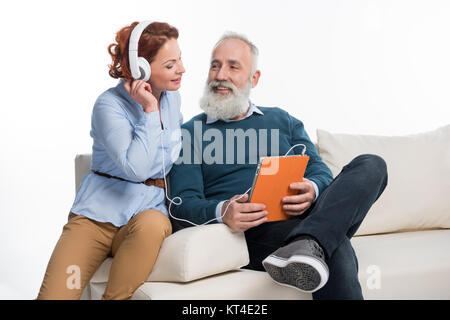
x=403, y=245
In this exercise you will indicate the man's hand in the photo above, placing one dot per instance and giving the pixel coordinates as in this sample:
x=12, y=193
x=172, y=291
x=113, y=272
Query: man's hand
x=141, y=91
x=297, y=204
x=241, y=216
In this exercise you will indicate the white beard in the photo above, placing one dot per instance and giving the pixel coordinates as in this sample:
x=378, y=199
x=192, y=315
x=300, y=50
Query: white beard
x=225, y=107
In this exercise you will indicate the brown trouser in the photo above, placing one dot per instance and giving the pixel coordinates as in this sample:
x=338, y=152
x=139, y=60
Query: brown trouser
x=85, y=243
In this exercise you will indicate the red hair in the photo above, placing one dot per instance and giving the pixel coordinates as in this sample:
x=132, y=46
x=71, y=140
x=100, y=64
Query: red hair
x=152, y=39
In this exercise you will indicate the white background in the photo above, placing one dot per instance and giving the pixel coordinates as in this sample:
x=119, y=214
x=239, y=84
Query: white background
x=350, y=66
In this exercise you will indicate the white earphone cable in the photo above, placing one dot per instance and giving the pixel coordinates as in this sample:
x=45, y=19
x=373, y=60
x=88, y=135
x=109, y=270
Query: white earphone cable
x=181, y=201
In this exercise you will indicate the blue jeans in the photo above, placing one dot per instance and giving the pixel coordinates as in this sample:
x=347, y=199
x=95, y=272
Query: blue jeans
x=332, y=220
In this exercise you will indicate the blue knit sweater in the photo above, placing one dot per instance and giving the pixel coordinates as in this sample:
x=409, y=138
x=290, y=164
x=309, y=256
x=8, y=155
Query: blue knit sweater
x=218, y=160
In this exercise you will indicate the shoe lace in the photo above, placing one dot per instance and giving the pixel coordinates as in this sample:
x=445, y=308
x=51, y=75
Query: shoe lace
x=316, y=248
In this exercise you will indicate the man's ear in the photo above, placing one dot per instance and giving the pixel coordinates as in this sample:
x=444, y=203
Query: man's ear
x=255, y=78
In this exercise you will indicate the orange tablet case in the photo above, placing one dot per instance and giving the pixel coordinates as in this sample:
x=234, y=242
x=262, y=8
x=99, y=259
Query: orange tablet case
x=272, y=179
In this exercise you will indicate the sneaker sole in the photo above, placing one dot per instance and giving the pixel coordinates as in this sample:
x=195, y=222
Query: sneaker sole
x=299, y=272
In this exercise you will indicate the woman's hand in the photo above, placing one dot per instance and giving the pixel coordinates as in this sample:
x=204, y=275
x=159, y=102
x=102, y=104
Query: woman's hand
x=141, y=91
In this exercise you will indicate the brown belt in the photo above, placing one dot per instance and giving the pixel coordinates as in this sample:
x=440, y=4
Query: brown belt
x=149, y=182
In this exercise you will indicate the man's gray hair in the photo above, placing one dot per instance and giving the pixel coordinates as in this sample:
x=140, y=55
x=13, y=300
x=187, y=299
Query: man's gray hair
x=238, y=36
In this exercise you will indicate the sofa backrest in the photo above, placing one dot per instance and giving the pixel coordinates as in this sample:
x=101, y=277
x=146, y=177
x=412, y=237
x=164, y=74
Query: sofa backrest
x=82, y=166
x=417, y=193
x=416, y=197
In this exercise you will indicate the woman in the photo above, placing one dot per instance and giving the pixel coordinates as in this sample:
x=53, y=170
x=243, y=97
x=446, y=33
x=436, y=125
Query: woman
x=119, y=209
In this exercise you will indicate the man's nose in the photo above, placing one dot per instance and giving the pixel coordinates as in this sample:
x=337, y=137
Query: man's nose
x=222, y=74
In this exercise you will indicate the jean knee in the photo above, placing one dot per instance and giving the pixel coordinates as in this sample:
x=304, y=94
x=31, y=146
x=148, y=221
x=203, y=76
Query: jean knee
x=370, y=173
x=373, y=165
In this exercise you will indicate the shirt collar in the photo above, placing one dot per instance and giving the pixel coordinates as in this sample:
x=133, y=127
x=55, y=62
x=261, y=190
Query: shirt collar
x=250, y=111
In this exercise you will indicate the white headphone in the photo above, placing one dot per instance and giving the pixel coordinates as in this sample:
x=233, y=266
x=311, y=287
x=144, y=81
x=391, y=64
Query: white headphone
x=139, y=67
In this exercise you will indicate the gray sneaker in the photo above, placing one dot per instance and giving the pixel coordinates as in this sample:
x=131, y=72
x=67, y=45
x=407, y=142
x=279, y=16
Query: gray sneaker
x=300, y=265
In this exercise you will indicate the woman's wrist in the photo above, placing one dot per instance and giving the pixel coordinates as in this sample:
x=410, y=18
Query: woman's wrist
x=149, y=109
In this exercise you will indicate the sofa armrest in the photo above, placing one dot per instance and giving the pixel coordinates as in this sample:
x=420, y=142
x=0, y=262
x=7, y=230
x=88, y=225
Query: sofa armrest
x=199, y=252
x=191, y=254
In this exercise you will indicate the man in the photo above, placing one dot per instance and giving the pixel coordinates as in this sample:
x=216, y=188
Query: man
x=311, y=251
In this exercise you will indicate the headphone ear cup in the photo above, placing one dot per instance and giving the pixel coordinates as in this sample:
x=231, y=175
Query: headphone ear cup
x=144, y=68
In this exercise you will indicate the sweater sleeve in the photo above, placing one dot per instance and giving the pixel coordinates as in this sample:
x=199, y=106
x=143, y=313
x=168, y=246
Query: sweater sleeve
x=186, y=182
x=316, y=171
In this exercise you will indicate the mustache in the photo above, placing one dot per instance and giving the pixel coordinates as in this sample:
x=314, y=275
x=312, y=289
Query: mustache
x=223, y=83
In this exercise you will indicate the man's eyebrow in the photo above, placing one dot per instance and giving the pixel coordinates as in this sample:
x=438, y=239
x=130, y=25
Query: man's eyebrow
x=234, y=62
x=231, y=61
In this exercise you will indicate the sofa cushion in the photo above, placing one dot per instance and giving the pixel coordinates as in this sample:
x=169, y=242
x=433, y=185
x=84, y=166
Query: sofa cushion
x=417, y=194
x=193, y=253
x=404, y=265
x=236, y=285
